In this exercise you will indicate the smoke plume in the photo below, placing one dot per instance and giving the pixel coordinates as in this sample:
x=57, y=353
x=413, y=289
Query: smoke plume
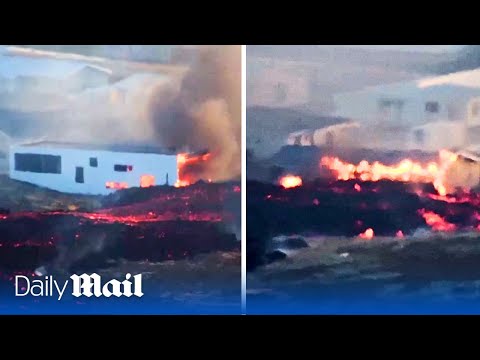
x=203, y=112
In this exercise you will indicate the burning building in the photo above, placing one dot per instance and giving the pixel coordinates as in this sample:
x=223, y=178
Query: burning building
x=92, y=169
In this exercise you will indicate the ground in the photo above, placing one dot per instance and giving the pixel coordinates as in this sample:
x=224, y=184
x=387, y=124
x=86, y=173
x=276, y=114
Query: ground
x=20, y=196
x=201, y=268
x=436, y=273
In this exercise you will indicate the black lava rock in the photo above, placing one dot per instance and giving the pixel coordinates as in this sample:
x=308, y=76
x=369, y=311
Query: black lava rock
x=273, y=256
x=294, y=243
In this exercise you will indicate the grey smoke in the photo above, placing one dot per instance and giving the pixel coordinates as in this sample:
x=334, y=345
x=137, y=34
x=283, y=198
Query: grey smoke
x=203, y=112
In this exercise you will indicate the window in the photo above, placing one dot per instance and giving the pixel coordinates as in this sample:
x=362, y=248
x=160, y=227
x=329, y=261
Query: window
x=432, y=107
x=280, y=93
x=123, y=168
x=79, y=175
x=386, y=104
x=475, y=109
x=419, y=136
x=38, y=163
x=93, y=162
x=391, y=110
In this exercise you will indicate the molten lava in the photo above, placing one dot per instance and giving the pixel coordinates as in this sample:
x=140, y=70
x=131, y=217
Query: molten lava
x=436, y=222
x=186, y=168
x=367, y=235
x=406, y=170
x=290, y=181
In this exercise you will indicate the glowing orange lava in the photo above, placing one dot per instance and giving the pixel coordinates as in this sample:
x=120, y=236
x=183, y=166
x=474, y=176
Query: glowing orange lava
x=357, y=187
x=290, y=181
x=436, y=222
x=367, y=235
x=406, y=170
x=185, y=165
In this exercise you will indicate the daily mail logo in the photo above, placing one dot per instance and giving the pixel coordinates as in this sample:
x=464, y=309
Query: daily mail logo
x=82, y=285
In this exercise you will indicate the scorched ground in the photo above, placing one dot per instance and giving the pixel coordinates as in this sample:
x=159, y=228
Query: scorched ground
x=363, y=235
x=133, y=230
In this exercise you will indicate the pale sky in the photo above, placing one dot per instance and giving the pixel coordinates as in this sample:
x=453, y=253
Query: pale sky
x=423, y=48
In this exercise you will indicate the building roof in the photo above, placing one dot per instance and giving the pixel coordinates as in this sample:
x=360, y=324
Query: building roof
x=127, y=148
x=465, y=81
x=469, y=78
x=13, y=66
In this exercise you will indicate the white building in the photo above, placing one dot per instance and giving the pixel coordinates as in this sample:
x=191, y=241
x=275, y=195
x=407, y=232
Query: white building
x=427, y=114
x=414, y=102
x=91, y=169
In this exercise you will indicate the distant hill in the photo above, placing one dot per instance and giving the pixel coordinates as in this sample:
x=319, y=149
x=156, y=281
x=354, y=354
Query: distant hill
x=286, y=76
x=467, y=58
x=398, y=59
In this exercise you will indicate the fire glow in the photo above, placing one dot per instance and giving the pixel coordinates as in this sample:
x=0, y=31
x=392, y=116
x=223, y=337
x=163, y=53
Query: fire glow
x=290, y=181
x=116, y=185
x=406, y=170
x=186, y=165
x=367, y=235
x=436, y=222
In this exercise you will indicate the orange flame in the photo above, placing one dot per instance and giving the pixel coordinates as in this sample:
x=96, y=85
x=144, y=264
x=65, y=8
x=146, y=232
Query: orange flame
x=436, y=222
x=406, y=170
x=399, y=234
x=290, y=181
x=185, y=162
x=368, y=234
x=116, y=185
x=147, y=180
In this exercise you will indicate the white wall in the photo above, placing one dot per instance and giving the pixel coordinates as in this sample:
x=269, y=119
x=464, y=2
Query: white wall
x=363, y=105
x=96, y=177
x=439, y=135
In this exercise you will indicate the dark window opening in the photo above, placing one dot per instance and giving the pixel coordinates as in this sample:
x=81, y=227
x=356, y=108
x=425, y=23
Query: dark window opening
x=79, y=175
x=38, y=163
x=386, y=104
x=123, y=168
x=93, y=162
x=475, y=109
x=432, y=107
x=419, y=136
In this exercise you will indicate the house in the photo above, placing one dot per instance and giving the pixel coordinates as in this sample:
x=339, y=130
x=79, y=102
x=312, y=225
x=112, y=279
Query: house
x=90, y=168
x=427, y=114
x=412, y=103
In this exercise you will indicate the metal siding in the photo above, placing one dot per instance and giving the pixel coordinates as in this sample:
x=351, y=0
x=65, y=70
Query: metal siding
x=96, y=177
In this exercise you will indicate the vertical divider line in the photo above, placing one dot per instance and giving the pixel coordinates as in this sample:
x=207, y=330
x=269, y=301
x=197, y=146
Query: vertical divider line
x=244, y=182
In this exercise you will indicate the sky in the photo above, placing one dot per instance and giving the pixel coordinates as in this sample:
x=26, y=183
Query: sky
x=422, y=48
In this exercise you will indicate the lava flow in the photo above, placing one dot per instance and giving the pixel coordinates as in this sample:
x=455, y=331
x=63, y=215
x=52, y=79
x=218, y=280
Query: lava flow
x=406, y=170
x=436, y=221
x=290, y=181
x=154, y=223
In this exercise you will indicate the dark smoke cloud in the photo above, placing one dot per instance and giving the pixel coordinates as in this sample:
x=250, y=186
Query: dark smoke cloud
x=203, y=112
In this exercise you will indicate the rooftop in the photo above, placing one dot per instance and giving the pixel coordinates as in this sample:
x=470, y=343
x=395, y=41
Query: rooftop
x=126, y=148
x=13, y=66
